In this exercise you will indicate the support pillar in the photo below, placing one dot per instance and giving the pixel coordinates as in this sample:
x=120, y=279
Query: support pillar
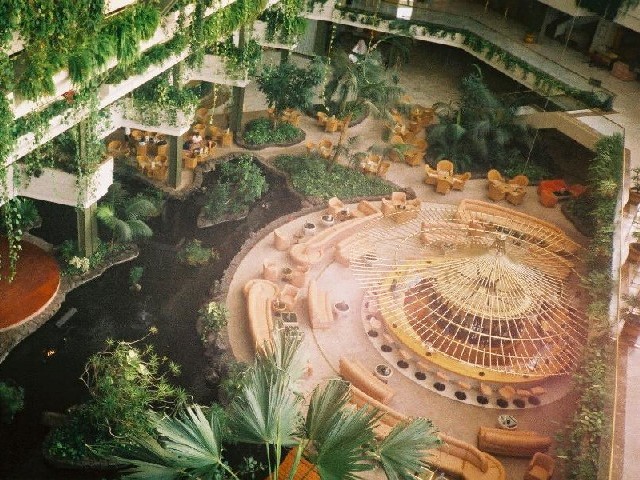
x=86, y=220
x=237, y=107
x=174, y=175
x=87, y=224
x=237, y=95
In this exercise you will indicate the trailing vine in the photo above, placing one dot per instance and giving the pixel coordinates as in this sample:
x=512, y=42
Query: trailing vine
x=545, y=82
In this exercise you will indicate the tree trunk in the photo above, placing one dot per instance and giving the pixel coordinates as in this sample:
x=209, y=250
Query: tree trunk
x=341, y=139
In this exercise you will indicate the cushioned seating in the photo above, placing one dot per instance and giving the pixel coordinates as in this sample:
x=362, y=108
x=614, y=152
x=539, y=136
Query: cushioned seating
x=461, y=459
x=540, y=467
x=320, y=313
x=548, y=199
x=512, y=443
x=363, y=379
x=260, y=295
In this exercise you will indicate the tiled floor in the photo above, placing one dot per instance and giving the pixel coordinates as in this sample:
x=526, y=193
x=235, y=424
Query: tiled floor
x=428, y=82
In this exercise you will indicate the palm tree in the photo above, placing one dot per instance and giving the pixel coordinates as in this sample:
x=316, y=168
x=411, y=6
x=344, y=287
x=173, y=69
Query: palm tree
x=124, y=216
x=339, y=441
x=357, y=85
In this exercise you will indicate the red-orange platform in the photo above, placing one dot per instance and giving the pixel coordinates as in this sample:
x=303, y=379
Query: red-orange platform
x=36, y=282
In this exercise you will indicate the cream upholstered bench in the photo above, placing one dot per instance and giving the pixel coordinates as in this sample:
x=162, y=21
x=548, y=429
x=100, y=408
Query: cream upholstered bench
x=358, y=375
x=320, y=312
x=513, y=443
x=464, y=460
x=260, y=294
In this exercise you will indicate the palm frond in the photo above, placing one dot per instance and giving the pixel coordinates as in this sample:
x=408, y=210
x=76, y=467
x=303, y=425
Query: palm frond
x=139, y=229
x=344, y=449
x=140, y=208
x=325, y=409
x=401, y=453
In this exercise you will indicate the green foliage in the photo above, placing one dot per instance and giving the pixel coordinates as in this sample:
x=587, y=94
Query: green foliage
x=481, y=133
x=240, y=184
x=124, y=382
x=135, y=274
x=284, y=24
x=195, y=255
x=261, y=131
x=311, y=177
x=239, y=61
x=288, y=86
x=365, y=82
x=25, y=215
x=213, y=318
x=268, y=411
x=125, y=216
x=11, y=401
x=160, y=100
x=75, y=264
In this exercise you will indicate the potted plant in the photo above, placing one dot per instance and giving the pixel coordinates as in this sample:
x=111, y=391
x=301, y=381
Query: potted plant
x=634, y=191
x=212, y=318
x=631, y=328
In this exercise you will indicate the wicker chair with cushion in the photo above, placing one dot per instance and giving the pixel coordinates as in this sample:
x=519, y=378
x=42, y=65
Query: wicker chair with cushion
x=321, y=118
x=383, y=169
x=541, y=467
x=444, y=184
x=115, y=148
x=496, y=191
x=325, y=148
x=331, y=125
x=445, y=166
x=494, y=174
x=520, y=180
x=430, y=175
x=460, y=180
x=516, y=197
x=335, y=206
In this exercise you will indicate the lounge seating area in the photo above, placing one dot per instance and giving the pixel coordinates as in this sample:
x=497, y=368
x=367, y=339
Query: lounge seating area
x=491, y=215
x=464, y=460
x=499, y=188
x=260, y=295
x=399, y=209
x=444, y=178
x=365, y=380
x=512, y=443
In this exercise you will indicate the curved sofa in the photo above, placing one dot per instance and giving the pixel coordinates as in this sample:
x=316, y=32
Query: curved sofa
x=512, y=443
x=459, y=458
x=358, y=375
x=259, y=295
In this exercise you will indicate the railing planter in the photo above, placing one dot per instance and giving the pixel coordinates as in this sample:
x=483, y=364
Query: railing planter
x=113, y=5
x=215, y=70
x=259, y=34
x=63, y=188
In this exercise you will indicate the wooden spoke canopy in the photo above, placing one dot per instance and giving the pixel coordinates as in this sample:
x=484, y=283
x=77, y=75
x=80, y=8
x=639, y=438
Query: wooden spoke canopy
x=485, y=288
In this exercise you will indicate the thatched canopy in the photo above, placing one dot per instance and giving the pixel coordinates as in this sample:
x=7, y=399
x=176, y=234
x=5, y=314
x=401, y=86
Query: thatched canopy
x=488, y=290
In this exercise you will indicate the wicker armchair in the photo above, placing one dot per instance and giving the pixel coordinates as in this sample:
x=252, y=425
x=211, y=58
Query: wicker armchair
x=383, y=169
x=460, y=180
x=520, y=180
x=430, y=175
x=494, y=174
x=541, y=467
x=445, y=166
x=496, y=191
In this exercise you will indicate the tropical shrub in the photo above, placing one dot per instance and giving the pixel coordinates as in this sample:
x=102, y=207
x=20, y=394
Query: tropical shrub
x=125, y=216
x=240, y=184
x=11, y=401
x=124, y=381
x=195, y=255
x=261, y=131
x=311, y=177
x=213, y=318
x=338, y=440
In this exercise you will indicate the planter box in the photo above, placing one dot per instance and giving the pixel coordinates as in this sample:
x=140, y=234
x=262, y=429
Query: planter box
x=113, y=5
x=61, y=187
x=320, y=11
x=214, y=70
x=259, y=34
x=133, y=118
